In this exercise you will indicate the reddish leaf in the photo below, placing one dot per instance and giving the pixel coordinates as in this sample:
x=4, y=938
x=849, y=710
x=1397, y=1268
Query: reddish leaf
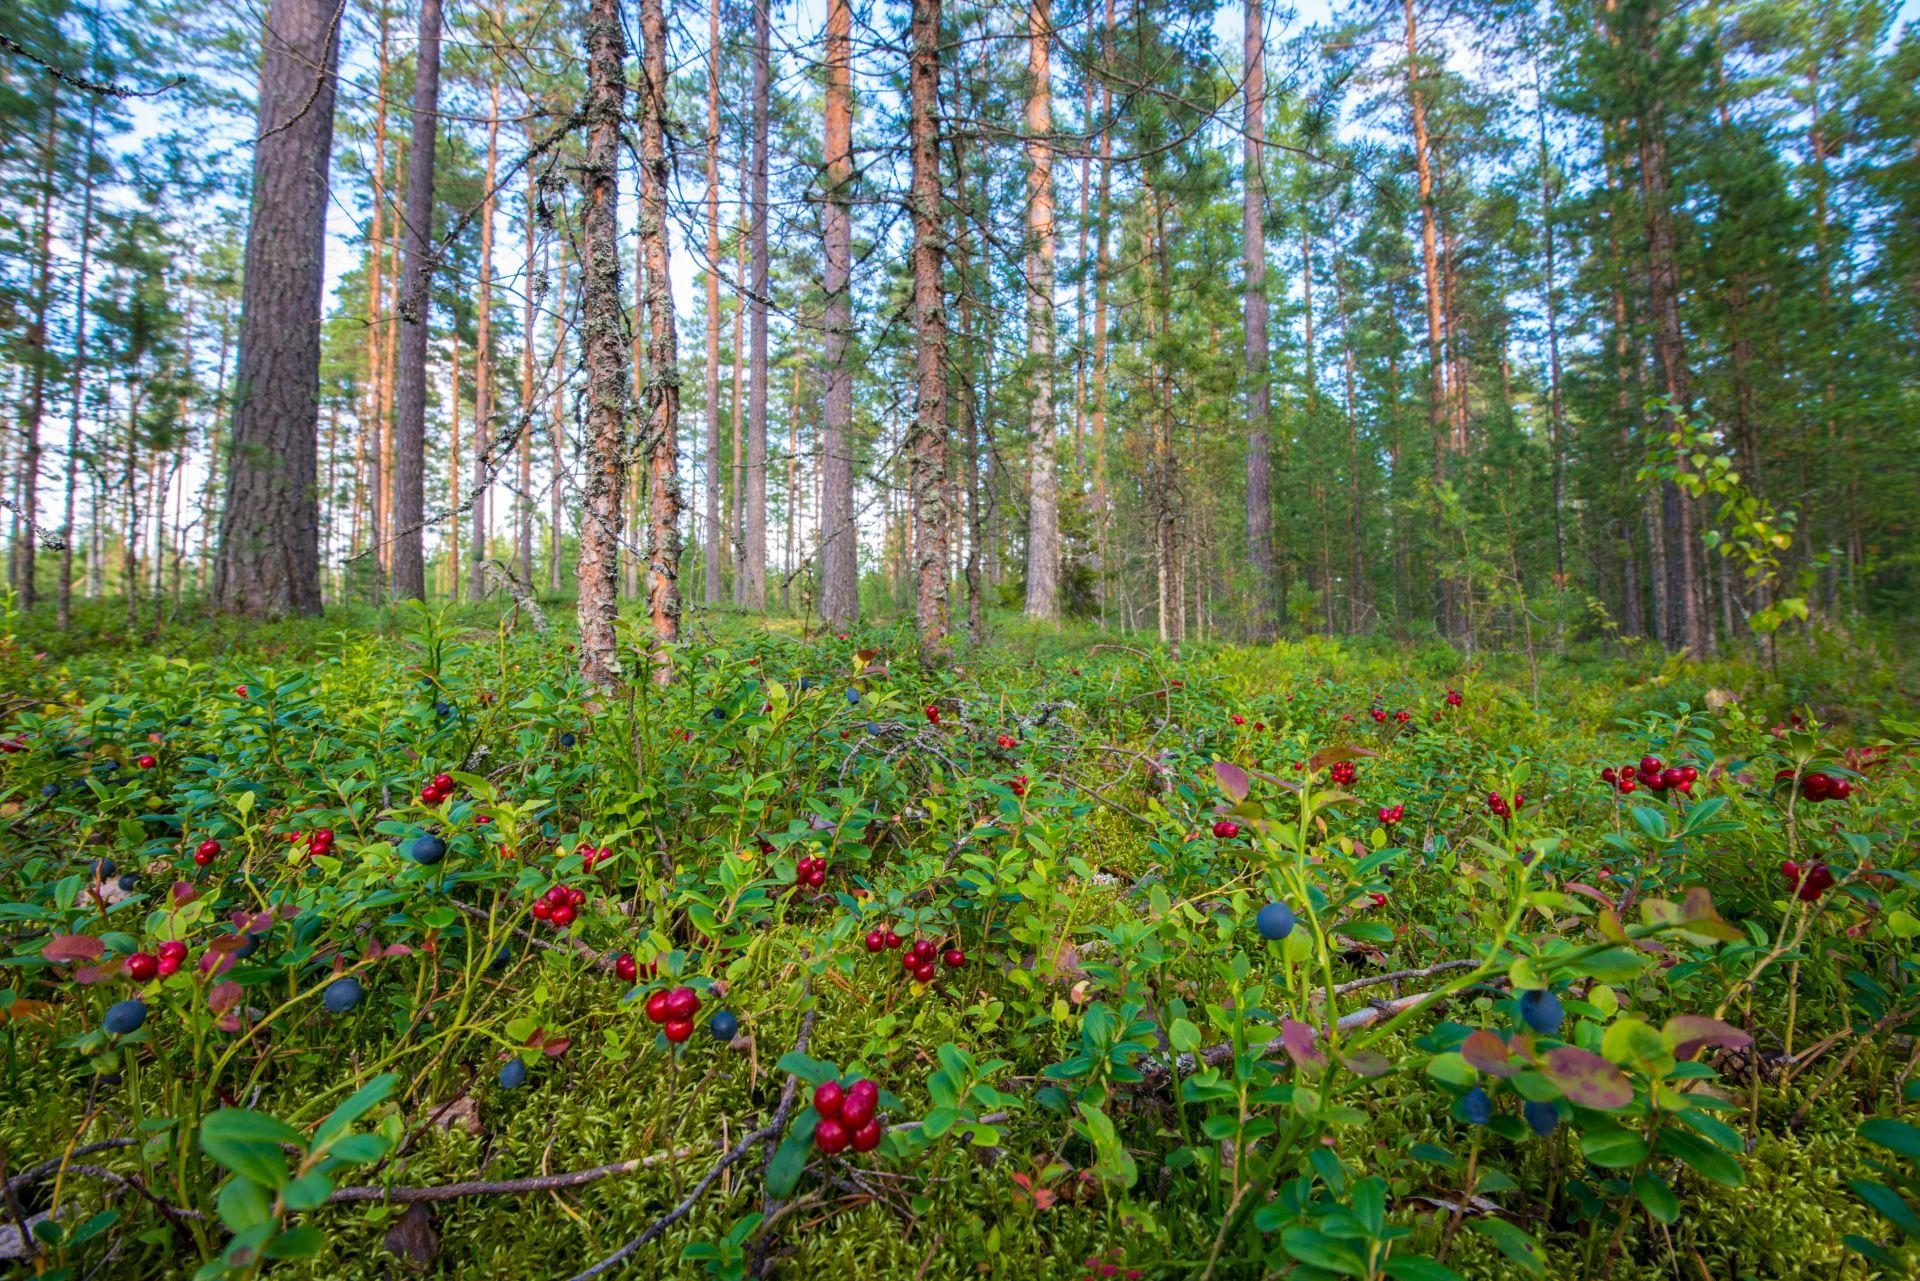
x=1580, y=887
x=1586, y=1078
x=1688, y=1034
x=1487, y=1052
x=1232, y=779
x=1367, y=1063
x=65, y=949
x=1339, y=752
x=1298, y=1039
x=557, y=1046
x=224, y=996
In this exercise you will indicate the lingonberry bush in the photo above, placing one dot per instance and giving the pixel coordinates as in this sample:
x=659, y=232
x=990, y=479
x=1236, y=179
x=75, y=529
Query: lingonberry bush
x=1066, y=960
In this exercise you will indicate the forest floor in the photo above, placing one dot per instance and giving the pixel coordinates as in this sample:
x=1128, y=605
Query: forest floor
x=1317, y=959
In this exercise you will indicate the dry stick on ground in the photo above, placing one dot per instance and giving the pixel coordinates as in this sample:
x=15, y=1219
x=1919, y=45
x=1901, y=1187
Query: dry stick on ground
x=173, y=1213
x=770, y=1131
x=35, y=1173
x=509, y=1187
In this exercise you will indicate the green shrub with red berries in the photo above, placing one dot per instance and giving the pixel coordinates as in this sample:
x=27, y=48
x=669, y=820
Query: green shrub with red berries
x=1063, y=961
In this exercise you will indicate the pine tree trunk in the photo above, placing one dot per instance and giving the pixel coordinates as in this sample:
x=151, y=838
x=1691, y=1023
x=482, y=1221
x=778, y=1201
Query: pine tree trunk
x=738, y=539
x=1101, y=265
x=928, y=453
x=662, y=405
x=1043, y=532
x=269, y=560
x=1448, y=607
x=716, y=544
x=415, y=316
x=375, y=407
x=840, y=546
x=557, y=409
x=523, y=501
x=756, y=489
x=77, y=375
x=26, y=541
x=1253, y=229
x=483, y=355
x=603, y=345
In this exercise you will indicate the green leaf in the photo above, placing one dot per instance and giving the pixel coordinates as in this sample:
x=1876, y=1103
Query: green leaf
x=1888, y=1203
x=1411, y=1269
x=243, y=1204
x=1654, y=1194
x=810, y=1070
x=789, y=1161
x=1895, y=1136
x=358, y=1149
x=352, y=1109
x=1706, y=1160
x=308, y=1192
x=1184, y=1036
x=1650, y=820
x=1320, y=1251
x=301, y=1243
x=1513, y=1243
x=1613, y=1148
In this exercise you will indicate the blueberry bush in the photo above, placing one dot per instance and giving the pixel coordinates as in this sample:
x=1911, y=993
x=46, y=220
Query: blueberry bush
x=346, y=951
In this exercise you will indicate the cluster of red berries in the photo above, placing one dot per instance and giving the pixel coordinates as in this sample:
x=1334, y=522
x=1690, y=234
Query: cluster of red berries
x=629, y=969
x=589, y=855
x=933, y=714
x=1225, y=828
x=918, y=959
x=846, y=1117
x=1018, y=784
x=319, y=840
x=809, y=873
x=559, y=906
x=673, y=1009
x=1006, y=742
x=1391, y=814
x=437, y=790
x=1104, y=1271
x=1652, y=775
x=1453, y=698
x=206, y=852
x=143, y=966
x=1809, y=882
x=1817, y=787
x=1498, y=807
x=1343, y=773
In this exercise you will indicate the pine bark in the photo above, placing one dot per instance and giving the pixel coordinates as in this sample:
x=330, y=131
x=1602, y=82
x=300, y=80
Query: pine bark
x=839, y=547
x=77, y=375
x=716, y=544
x=662, y=403
x=756, y=488
x=483, y=355
x=414, y=317
x=269, y=559
x=1043, y=531
x=1253, y=225
x=26, y=542
x=523, y=500
x=1448, y=604
x=928, y=451
x=603, y=343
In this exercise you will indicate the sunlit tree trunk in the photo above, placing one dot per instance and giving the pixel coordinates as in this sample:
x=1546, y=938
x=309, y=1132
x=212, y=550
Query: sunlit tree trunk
x=483, y=352
x=661, y=439
x=77, y=375
x=26, y=541
x=839, y=547
x=716, y=545
x=603, y=346
x=1253, y=220
x=269, y=560
x=756, y=488
x=928, y=453
x=1043, y=529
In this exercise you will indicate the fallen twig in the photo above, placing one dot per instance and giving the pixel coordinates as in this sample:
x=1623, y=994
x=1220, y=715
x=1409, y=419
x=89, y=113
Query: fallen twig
x=732, y=1155
x=1162, y=1072
x=507, y=1187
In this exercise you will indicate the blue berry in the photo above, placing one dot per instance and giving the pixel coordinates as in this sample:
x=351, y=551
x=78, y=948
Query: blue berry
x=103, y=868
x=1275, y=921
x=724, y=1026
x=50, y=791
x=249, y=944
x=1543, y=1117
x=342, y=994
x=125, y=1018
x=513, y=1074
x=427, y=849
x=444, y=709
x=853, y=695
x=1540, y=1010
x=1477, y=1107
x=566, y=738
x=500, y=958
